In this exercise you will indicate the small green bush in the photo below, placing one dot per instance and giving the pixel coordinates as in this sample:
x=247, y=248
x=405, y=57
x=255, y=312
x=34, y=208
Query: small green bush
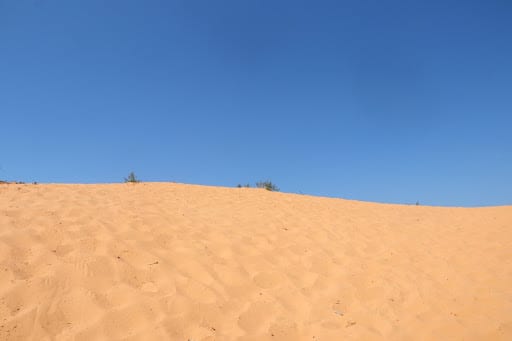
x=268, y=185
x=131, y=178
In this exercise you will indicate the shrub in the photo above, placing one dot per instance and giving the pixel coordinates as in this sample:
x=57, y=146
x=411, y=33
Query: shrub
x=268, y=185
x=131, y=178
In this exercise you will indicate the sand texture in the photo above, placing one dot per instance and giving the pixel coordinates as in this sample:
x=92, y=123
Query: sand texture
x=164, y=261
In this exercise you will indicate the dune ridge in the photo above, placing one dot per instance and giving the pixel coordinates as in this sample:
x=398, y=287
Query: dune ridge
x=166, y=261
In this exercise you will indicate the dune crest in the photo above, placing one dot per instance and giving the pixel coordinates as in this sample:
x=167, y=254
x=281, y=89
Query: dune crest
x=165, y=261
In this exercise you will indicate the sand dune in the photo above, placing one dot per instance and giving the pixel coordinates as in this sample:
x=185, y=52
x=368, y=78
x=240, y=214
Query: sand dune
x=160, y=261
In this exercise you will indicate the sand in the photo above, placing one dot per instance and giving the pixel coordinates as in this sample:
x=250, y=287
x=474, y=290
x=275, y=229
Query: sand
x=165, y=261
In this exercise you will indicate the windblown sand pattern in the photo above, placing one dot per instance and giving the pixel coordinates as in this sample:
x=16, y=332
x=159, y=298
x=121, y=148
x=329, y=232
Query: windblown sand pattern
x=160, y=261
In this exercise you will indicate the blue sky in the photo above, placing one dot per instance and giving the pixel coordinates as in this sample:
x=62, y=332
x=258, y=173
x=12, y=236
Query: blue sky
x=389, y=101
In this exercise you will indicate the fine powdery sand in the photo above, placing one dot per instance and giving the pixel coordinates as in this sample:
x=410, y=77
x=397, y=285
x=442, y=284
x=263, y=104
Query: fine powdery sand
x=165, y=261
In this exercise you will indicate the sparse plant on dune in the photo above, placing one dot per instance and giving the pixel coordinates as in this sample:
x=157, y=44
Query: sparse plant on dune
x=268, y=185
x=131, y=178
x=12, y=182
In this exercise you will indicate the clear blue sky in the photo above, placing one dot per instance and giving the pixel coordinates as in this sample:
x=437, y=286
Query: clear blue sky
x=391, y=101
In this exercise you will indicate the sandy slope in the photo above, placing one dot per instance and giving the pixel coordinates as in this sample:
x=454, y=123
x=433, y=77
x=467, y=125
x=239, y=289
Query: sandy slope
x=158, y=261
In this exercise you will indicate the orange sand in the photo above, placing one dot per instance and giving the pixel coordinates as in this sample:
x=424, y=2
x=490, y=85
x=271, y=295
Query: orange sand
x=160, y=261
